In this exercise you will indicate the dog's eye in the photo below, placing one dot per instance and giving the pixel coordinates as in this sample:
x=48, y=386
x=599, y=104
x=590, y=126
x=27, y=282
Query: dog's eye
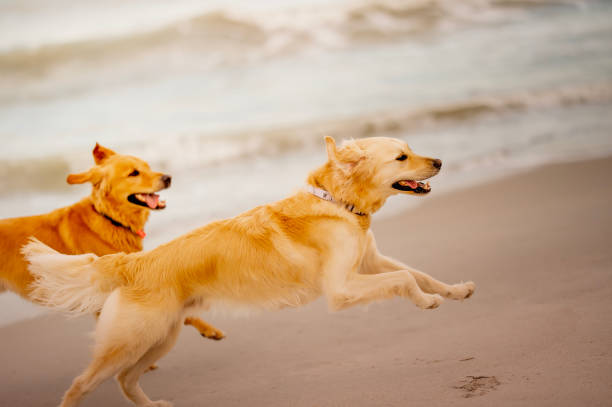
x=402, y=157
x=134, y=173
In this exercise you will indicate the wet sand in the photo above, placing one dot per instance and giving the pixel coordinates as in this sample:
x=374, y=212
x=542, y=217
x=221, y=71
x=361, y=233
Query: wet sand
x=538, y=330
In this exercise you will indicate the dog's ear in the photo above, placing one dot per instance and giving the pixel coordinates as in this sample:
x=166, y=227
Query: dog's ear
x=101, y=153
x=347, y=158
x=93, y=176
x=330, y=145
x=350, y=154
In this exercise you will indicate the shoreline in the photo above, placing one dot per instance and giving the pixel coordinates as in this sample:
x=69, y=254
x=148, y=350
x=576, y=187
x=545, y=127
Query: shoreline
x=536, y=332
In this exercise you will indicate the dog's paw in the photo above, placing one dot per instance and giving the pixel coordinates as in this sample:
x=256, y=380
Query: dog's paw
x=151, y=368
x=339, y=301
x=462, y=291
x=430, y=301
x=160, y=403
x=471, y=287
x=213, y=333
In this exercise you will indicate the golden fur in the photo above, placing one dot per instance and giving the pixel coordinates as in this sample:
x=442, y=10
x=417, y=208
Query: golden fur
x=286, y=253
x=82, y=227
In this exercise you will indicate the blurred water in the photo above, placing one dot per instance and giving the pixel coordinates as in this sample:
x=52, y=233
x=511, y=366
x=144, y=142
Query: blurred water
x=190, y=113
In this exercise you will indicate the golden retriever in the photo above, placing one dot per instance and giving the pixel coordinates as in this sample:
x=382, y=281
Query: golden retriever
x=110, y=220
x=287, y=253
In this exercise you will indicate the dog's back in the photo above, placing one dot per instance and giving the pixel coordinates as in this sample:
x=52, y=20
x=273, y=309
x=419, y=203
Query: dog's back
x=69, y=230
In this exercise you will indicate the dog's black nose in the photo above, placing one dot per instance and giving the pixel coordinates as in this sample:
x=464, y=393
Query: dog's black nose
x=436, y=163
x=167, y=180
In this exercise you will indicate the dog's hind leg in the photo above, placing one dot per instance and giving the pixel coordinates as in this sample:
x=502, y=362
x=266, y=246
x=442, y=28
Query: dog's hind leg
x=124, y=333
x=100, y=369
x=128, y=378
x=205, y=329
x=375, y=263
x=152, y=367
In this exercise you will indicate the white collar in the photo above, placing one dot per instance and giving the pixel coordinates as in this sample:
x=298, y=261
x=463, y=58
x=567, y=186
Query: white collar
x=323, y=194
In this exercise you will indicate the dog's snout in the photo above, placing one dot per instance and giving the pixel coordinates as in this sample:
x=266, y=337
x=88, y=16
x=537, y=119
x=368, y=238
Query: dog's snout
x=167, y=180
x=436, y=163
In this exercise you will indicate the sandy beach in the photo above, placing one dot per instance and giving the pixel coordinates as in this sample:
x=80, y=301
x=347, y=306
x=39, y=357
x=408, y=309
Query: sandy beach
x=538, y=331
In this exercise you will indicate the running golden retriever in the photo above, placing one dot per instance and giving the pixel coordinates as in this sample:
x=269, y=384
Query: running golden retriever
x=287, y=253
x=110, y=220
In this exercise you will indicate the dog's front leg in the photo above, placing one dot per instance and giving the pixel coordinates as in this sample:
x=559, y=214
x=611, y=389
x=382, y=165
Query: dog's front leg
x=344, y=287
x=375, y=263
x=363, y=289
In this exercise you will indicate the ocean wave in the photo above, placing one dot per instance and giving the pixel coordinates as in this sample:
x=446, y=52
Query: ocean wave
x=230, y=35
x=201, y=150
x=198, y=151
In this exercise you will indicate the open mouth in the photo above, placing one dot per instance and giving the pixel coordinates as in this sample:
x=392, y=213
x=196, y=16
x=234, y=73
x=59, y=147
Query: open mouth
x=416, y=187
x=148, y=200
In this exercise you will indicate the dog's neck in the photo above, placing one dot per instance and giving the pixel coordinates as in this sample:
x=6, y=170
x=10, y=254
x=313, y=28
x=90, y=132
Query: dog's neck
x=136, y=225
x=323, y=194
x=348, y=191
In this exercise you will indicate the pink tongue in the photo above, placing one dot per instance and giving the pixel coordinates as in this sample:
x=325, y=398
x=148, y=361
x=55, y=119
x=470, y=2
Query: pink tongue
x=152, y=200
x=412, y=184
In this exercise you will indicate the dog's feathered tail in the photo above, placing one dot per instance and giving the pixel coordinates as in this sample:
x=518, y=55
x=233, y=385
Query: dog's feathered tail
x=74, y=284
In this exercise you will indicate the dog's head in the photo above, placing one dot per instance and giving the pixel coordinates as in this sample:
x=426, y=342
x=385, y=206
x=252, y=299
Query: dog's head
x=367, y=171
x=124, y=187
